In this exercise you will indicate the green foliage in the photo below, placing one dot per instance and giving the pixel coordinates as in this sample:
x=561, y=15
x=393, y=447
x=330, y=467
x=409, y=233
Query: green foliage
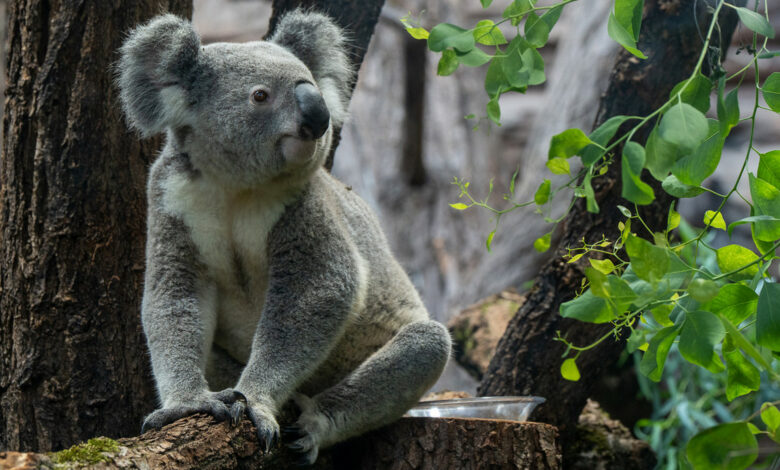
x=90, y=452
x=681, y=300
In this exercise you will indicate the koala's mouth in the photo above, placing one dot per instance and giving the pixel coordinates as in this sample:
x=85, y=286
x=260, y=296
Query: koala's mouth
x=297, y=150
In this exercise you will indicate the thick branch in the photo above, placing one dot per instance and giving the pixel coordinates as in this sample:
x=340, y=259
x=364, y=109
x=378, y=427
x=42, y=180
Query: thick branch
x=527, y=359
x=410, y=443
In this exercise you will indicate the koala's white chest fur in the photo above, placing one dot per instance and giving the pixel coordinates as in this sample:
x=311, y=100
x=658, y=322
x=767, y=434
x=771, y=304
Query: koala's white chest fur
x=230, y=230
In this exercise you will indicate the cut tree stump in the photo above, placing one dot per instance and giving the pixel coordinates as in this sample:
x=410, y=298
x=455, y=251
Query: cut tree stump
x=408, y=444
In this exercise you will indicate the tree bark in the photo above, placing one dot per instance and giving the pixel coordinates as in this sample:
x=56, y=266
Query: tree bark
x=357, y=17
x=527, y=359
x=73, y=360
x=409, y=444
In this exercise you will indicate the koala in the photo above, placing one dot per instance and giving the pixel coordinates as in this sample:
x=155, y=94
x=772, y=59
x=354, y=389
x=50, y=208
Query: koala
x=267, y=280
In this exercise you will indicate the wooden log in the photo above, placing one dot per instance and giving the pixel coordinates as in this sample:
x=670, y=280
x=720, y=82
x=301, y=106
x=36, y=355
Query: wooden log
x=409, y=444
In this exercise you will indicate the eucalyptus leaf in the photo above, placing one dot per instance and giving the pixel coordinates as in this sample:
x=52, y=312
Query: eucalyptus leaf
x=755, y=22
x=768, y=317
x=742, y=376
x=569, y=370
x=487, y=32
x=733, y=257
x=654, y=359
x=694, y=167
x=568, y=143
x=634, y=189
x=696, y=92
x=542, y=194
x=684, y=126
x=677, y=188
x=766, y=201
x=619, y=34
x=771, y=91
x=769, y=168
x=736, y=302
x=601, y=136
x=537, y=29
x=588, y=308
x=446, y=35
x=729, y=446
x=701, y=331
x=648, y=262
x=448, y=63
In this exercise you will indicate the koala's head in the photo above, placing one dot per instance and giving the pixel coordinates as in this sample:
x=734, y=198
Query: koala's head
x=247, y=113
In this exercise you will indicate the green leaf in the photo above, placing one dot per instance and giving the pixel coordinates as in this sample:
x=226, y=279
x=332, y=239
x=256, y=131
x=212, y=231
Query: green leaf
x=660, y=155
x=604, y=265
x=486, y=32
x=673, y=219
x=568, y=143
x=588, y=308
x=768, y=317
x=601, y=136
x=494, y=110
x=459, y=206
x=703, y=290
x=714, y=219
x=696, y=93
x=701, y=331
x=755, y=22
x=752, y=218
x=634, y=189
x=766, y=201
x=485, y=3
x=619, y=34
x=447, y=35
x=661, y=314
x=517, y=9
x=771, y=91
x=684, y=126
x=728, y=108
x=742, y=377
x=537, y=30
x=770, y=415
x=590, y=196
x=542, y=243
x=569, y=370
x=654, y=359
x=489, y=240
x=614, y=290
x=736, y=302
x=733, y=257
x=523, y=65
x=728, y=446
x=417, y=33
x=648, y=261
x=543, y=193
x=677, y=188
x=448, y=63
x=692, y=168
x=558, y=166
x=769, y=167
x=473, y=58
x=629, y=14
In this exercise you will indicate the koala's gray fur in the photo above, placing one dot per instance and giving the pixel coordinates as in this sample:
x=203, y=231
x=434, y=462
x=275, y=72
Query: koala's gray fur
x=266, y=278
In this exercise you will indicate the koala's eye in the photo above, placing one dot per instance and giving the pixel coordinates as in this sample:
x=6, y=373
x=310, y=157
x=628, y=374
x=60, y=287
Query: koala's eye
x=259, y=96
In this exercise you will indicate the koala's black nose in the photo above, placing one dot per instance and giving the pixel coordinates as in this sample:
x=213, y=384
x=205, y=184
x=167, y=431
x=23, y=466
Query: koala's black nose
x=316, y=116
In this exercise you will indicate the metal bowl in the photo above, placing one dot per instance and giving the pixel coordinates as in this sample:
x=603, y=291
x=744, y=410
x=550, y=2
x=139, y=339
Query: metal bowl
x=510, y=408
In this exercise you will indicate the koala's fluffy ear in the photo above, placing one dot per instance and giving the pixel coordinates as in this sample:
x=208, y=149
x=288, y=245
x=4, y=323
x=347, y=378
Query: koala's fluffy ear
x=320, y=44
x=158, y=63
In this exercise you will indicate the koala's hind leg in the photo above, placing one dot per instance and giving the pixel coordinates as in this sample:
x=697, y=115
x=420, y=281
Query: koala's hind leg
x=378, y=392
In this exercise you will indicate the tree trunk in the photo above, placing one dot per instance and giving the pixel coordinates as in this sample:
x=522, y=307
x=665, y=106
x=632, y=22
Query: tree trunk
x=409, y=444
x=357, y=17
x=73, y=361
x=527, y=359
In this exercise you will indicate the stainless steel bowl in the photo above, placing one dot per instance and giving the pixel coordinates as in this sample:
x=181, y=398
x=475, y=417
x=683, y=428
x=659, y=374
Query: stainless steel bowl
x=511, y=408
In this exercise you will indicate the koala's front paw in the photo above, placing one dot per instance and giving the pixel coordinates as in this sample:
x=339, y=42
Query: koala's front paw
x=216, y=404
x=262, y=417
x=308, y=432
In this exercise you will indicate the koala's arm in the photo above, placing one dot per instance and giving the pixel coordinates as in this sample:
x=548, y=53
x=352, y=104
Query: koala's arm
x=314, y=283
x=174, y=318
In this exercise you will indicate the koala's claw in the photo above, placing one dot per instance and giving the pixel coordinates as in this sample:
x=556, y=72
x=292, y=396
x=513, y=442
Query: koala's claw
x=237, y=412
x=308, y=450
x=267, y=428
x=164, y=416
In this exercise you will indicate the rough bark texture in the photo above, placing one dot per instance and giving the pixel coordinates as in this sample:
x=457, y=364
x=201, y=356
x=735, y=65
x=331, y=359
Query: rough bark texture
x=73, y=360
x=411, y=443
x=357, y=17
x=527, y=359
